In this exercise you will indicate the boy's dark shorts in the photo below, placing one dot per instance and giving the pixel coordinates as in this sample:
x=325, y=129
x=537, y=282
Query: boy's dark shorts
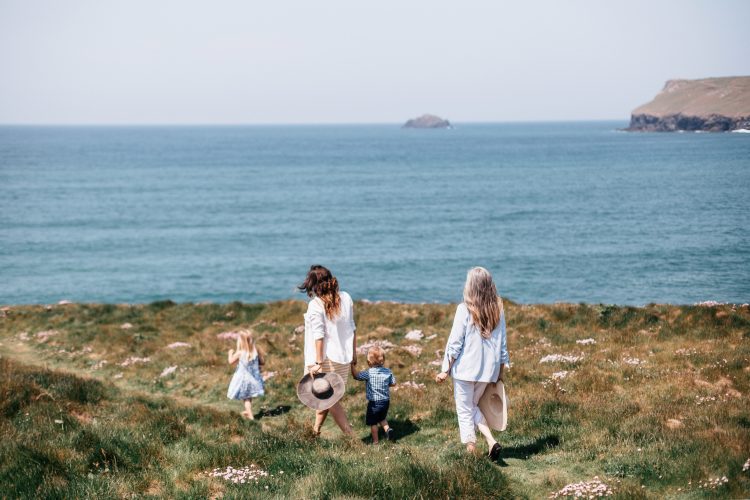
x=376, y=411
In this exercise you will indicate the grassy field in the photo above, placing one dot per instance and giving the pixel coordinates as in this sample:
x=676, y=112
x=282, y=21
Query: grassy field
x=94, y=402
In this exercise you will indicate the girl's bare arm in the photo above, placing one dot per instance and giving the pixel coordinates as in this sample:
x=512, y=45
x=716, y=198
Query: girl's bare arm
x=233, y=356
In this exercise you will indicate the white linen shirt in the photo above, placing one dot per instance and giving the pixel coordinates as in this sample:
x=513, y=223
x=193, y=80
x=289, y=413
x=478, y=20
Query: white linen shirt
x=477, y=359
x=337, y=334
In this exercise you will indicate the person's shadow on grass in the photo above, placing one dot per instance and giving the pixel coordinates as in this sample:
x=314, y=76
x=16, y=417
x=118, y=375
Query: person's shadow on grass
x=525, y=451
x=401, y=429
x=272, y=412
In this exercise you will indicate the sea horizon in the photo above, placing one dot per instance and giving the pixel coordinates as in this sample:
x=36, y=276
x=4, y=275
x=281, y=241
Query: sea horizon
x=565, y=212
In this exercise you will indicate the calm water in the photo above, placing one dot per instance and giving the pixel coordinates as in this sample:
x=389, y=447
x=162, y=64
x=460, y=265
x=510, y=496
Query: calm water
x=558, y=212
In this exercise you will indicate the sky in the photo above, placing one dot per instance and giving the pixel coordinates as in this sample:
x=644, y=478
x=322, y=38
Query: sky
x=344, y=61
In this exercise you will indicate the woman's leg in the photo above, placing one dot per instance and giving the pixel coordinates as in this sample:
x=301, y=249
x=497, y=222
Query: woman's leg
x=320, y=418
x=479, y=419
x=339, y=416
x=463, y=392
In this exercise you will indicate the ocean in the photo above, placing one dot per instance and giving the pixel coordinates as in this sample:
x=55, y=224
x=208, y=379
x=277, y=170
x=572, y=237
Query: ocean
x=558, y=212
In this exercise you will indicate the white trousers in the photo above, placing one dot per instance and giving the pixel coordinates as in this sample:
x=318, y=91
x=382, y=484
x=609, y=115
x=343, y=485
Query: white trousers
x=467, y=395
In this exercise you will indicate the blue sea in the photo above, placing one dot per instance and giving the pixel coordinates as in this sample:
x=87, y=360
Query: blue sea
x=573, y=212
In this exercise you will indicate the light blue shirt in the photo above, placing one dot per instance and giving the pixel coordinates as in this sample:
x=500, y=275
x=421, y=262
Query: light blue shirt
x=477, y=359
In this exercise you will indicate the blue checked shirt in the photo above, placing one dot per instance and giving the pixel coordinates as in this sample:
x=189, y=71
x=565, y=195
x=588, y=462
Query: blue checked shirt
x=378, y=380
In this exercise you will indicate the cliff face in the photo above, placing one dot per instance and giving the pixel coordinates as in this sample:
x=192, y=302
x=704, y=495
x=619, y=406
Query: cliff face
x=710, y=104
x=427, y=121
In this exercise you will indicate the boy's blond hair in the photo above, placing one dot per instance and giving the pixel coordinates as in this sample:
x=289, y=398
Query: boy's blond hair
x=375, y=356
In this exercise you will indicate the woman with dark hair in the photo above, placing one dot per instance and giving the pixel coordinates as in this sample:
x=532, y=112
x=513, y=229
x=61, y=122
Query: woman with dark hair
x=330, y=338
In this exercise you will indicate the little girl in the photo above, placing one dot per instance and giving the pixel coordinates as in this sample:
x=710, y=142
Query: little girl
x=246, y=382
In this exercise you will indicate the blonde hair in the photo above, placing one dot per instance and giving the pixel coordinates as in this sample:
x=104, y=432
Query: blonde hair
x=246, y=342
x=482, y=300
x=375, y=356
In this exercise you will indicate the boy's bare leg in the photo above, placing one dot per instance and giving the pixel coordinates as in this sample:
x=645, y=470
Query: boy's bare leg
x=384, y=425
x=374, y=431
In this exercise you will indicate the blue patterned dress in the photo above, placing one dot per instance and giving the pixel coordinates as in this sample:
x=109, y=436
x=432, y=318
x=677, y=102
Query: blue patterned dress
x=246, y=382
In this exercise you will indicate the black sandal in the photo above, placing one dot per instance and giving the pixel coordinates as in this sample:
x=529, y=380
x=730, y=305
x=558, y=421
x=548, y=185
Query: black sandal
x=495, y=452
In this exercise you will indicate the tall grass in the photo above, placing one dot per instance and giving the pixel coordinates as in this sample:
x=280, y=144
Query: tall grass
x=655, y=405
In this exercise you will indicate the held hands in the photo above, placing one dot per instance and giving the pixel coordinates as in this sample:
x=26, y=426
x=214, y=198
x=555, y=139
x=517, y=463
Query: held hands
x=440, y=377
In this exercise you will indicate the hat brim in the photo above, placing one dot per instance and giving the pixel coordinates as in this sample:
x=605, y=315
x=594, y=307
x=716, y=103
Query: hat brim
x=494, y=406
x=309, y=399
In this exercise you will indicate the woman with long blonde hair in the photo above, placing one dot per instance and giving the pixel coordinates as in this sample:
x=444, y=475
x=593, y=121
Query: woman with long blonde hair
x=330, y=336
x=475, y=355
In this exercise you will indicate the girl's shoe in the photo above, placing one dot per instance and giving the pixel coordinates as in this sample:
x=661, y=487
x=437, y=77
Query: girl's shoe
x=495, y=452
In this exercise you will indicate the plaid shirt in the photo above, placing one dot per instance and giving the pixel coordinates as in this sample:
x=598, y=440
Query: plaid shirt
x=378, y=379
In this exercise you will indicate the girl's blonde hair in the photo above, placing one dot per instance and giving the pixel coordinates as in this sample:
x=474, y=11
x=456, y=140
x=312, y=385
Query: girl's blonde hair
x=482, y=300
x=246, y=342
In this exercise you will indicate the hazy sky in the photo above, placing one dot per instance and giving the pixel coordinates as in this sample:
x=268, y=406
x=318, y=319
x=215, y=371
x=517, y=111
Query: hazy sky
x=245, y=61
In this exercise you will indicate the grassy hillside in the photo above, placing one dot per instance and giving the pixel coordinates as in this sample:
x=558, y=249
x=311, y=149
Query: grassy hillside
x=95, y=403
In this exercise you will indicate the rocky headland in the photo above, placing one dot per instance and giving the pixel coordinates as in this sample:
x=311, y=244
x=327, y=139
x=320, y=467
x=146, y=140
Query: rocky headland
x=427, y=121
x=707, y=105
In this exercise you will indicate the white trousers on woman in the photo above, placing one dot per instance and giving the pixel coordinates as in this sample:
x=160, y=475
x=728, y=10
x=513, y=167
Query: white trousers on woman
x=467, y=395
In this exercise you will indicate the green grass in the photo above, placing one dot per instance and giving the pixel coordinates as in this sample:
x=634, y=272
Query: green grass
x=657, y=405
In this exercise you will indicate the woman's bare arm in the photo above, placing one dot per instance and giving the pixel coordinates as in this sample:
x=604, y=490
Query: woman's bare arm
x=354, y=349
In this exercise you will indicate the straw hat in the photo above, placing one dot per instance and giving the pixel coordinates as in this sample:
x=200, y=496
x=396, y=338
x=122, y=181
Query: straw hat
x=494, y=406
x=321, y=393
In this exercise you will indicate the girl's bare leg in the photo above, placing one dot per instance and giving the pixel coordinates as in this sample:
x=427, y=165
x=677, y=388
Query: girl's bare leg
x=339, y=416
x=320, y=418
x=248, y=413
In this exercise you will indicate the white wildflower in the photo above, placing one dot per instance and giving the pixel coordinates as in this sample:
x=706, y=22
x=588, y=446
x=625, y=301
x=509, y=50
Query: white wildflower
x=633, y=361
x=414, y=335
x=134, y=359
x=383, y=344
x=45, y=335
x=414, y=350
x=175, y=345
x=168, y=371
x=561, y=358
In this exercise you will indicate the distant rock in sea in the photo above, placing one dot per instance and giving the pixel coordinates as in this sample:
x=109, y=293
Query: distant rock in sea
x=427, y=121
x=708, y=105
